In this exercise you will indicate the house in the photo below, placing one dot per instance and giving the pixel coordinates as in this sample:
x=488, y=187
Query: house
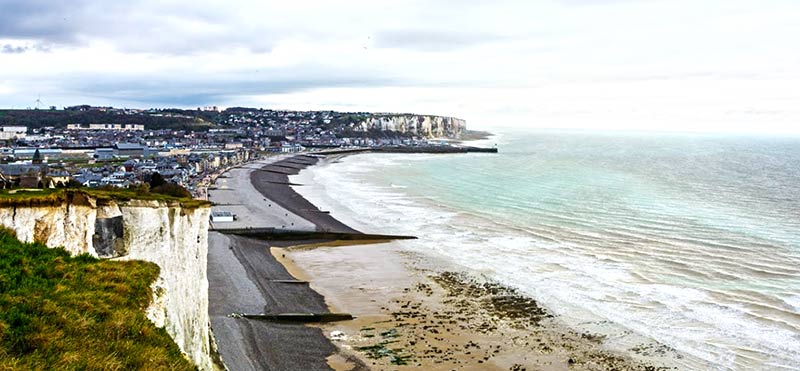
x=24, y=175
x=58, y=177
x=114, y=127
x=13, y=132
x=233, y=145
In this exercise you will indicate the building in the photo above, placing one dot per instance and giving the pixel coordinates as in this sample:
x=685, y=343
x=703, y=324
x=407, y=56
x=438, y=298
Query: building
x=35, y=175
x=221, y=217
x=103, y=153
x=13, y=132
x=131, y=150
x=115, y=127
x=58, y=177
x=29, y=153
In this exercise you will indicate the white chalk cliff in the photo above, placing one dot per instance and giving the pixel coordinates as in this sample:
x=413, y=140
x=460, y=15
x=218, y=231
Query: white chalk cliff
x=422, y=125
x=173, y=237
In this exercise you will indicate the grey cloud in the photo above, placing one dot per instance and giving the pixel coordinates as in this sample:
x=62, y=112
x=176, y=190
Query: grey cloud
x=19, y=49
x=136, y=26
x=40, y=19
x=186, y=90
x=10, y=49
x=430, y=40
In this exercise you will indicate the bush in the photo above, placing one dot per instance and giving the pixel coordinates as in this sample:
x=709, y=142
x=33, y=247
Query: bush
x=172, y=189
x=156, y=180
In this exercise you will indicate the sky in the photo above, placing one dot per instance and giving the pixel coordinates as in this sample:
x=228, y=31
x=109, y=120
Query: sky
x=687, y=65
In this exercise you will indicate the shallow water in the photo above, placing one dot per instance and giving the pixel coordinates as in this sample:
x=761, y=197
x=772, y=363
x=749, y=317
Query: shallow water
x=690, y=240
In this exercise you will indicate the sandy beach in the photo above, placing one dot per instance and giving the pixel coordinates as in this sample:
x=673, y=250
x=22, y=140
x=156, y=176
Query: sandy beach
x=410, y=312
x=245, y=278
x=411, y=315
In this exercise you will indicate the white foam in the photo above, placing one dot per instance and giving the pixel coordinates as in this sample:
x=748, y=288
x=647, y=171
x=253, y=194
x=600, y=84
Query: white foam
x=793, y=301
x=577, y=280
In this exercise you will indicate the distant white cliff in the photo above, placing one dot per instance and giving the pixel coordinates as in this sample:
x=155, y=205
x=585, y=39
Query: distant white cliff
x=173, y=237
x=422, y=125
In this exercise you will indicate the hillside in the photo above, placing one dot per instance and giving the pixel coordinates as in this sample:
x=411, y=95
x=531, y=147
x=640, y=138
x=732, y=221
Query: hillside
x=174, y=119
x=78, y=313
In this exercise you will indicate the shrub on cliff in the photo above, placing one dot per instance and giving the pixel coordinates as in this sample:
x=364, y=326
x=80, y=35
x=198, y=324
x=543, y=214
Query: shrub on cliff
x=172, y=189
x=75, y=313
x=156, y=180
x=160, y=185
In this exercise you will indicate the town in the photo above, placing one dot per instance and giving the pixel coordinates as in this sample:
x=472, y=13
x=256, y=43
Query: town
x=119, y=147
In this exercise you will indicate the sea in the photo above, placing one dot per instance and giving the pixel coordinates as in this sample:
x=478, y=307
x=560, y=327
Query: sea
x=680, y=245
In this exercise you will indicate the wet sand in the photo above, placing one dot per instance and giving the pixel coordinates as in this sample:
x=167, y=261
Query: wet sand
x=413, y=316
x=409, y=314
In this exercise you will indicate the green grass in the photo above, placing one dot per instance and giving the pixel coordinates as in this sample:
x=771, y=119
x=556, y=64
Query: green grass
x=33, y=197
x=77, y=313
x=86, y=164
x=57, y=196
x=125, y=194
x=83, y=162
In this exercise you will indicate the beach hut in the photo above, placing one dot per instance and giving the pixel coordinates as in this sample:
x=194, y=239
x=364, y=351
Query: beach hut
x=221, y=217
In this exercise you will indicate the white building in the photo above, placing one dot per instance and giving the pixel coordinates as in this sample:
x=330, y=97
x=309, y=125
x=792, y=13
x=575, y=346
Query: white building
x=115, y=127
x=13, y=132
x=221, y=217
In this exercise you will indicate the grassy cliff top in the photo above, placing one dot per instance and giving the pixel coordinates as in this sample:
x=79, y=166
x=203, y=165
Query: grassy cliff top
x=57, y=196
x=77, y=313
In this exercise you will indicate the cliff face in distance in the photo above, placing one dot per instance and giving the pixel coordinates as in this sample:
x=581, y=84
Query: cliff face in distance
x=425, y=126
x=173, y=237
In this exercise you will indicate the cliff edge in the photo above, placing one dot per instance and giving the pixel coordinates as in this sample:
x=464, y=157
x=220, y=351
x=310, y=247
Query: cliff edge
x=171, y=235
x=426, y=126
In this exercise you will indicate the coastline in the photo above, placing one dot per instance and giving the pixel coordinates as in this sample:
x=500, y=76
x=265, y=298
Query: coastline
x=272, y=181
x=412, y=312
x=245, y=278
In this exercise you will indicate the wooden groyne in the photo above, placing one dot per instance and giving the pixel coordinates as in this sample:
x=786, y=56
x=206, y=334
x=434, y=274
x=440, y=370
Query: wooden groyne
x=297, y=317
x=276, y=234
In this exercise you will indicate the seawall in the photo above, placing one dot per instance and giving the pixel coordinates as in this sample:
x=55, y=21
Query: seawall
x=165, y=233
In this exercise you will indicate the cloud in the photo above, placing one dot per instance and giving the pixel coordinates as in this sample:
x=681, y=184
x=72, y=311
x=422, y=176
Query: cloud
x=40, y=20
x=540, y=57
x=143, y=26
x=19, y=49
x=10, y=49
x=188, y=89
x=432, y=40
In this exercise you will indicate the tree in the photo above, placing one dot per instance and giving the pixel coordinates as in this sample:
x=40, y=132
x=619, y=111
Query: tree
x=72, y=183
x=140, y=188
x=172, y=189
x=156, y=180
x=37, y=157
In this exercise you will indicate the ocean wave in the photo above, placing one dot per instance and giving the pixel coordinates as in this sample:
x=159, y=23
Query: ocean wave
x=699, y=286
